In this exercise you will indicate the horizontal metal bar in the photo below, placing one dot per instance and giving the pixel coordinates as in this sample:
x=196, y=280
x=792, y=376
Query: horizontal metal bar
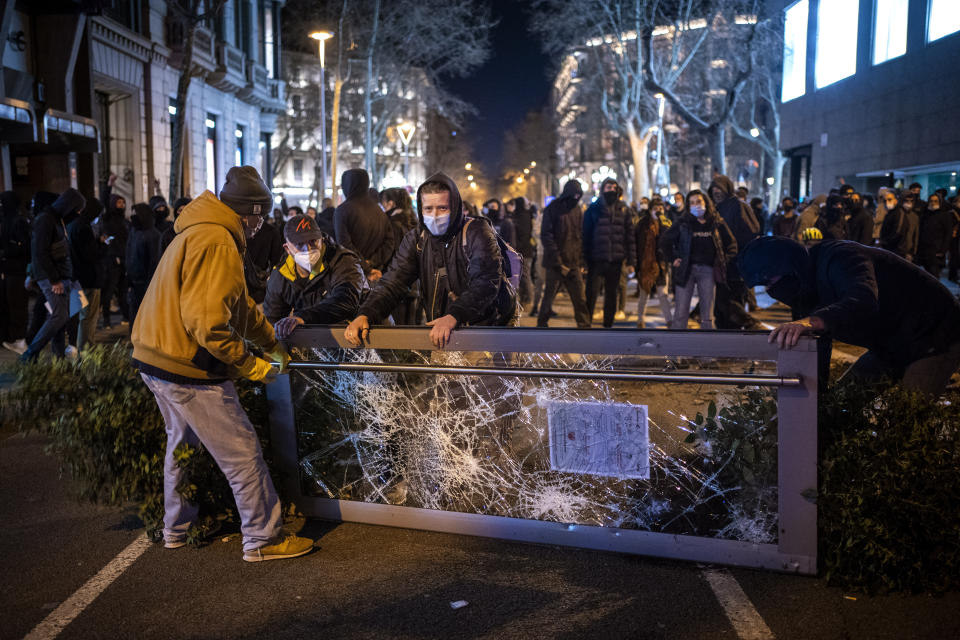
x=658, y=343
x=538, y=372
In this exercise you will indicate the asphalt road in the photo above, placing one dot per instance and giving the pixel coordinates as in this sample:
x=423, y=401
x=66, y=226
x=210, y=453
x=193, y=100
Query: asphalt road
x=378, y=582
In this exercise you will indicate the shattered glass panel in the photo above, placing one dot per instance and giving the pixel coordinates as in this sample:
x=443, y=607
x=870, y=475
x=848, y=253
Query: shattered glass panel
x=692, y=459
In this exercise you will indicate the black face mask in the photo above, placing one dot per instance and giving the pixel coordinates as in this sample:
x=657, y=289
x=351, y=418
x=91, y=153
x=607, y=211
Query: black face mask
x=788, y=290
x=609, y=197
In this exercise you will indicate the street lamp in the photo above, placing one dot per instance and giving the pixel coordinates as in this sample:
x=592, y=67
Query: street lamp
x=321, y=37
x=755, y=132
x=406, y=131
x=468, y=166
x=533, y=163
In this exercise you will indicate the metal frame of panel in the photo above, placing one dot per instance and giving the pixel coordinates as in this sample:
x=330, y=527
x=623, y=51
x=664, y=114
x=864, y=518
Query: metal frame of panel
x=796, y=380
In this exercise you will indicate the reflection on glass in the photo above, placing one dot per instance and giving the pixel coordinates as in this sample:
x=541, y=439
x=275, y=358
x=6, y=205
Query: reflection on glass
x=665, y=457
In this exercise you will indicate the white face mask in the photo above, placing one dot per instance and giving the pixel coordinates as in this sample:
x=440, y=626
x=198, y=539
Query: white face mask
x=307, y=259
x=437, y=225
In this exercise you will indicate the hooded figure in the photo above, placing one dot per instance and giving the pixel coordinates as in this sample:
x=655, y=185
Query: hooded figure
x=86, y=250
x=458, y=262
x=898, y=232
x=607, y=243
x=867, y=297
x=832, y=222
x=735, y=212
x=143, y=255
x=561, y=234
x=731, y=300
x=361, y=226
x=161, y=213
x=523, y=220
x=501, y=222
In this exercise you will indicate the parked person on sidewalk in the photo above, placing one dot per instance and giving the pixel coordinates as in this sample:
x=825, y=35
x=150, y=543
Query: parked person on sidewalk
x=731, y=298
x=167, y=236
x=937, y=225
x=562, y=241
x=459, y=265
x=649, y=261
x=698, y=248
x=14, y=258
x=142, y=255
x=52, y=269
x=398, y=206
x=908, y=321
x=86, y=252
x=318, y=283
x=607, y=243
x=189, y=341
x=362, y=227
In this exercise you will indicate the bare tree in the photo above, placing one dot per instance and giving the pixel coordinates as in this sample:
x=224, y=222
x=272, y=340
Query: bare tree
x=185, y=16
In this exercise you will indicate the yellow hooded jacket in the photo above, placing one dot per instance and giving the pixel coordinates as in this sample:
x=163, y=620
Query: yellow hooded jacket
x=196, y=311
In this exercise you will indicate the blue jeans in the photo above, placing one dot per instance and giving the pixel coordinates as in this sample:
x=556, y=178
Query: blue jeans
x=53, y=326
x=701, y=276
x=211, y=414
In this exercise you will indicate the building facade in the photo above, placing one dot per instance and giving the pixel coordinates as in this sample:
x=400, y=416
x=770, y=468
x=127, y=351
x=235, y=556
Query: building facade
x=102, y=80
x=869, y=94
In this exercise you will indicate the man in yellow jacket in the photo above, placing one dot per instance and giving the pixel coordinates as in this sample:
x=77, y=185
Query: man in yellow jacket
x=188, y=342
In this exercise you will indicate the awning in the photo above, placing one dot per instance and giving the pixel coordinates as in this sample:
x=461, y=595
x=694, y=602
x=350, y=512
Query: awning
x=17, y=122
x=67, y=132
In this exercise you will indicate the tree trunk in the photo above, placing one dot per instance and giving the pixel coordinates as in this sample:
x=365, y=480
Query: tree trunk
x=179, y=122
x=779, y=162
x=718, y=151
x=641, y=168
x=335, y=137
x=371, y=160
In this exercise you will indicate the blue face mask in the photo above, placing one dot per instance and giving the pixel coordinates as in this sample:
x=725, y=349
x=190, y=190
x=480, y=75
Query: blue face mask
x=698, y=211
x=437, y=225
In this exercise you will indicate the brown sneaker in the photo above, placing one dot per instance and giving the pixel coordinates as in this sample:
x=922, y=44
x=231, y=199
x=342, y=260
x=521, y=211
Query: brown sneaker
x=290, y=546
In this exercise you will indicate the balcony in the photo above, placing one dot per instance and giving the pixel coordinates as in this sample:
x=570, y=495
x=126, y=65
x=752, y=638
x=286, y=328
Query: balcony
x=277, y=99
x=230, y=74
x=256, y=90
x=204, y=56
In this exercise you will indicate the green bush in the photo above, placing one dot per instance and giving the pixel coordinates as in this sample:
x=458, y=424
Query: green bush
x=889, y=480
x=105, y=429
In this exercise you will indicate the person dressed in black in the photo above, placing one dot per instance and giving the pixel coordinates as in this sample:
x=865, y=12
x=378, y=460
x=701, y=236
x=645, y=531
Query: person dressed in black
x=494, y=210
x=318, y=283
x=264, y=252
x=113, y=225
x=14, y=258
x=561, y=234
x=86, y=252
x=162, y=213
x=526, y=246
x=859, y=222
x=607, y=243
x=398, y=206
x=166, y=237
x=732, y=295
x=908, y=321
x=786, y=222
x=361, y=226
x=142, y=255
x=900, y=230
x=52, y=269
x=832, y=222
x=459, y=265
x=937, y=225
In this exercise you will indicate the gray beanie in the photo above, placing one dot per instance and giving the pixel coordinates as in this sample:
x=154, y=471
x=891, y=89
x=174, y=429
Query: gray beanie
x=246, y=193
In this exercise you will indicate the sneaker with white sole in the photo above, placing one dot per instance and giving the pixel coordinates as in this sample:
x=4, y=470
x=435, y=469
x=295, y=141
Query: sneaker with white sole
x=174, y=544
x=290, y=546
x=211, y=531
x=17, y=347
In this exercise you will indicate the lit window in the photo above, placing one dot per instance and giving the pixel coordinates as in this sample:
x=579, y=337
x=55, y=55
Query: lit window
x=890, y=29
x=238, y=156
x=943, y=18
x=211, y=153
x=795, y=51
x=836, y=41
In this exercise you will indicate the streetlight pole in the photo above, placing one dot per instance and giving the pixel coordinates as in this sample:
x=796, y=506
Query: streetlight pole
x=321, y=37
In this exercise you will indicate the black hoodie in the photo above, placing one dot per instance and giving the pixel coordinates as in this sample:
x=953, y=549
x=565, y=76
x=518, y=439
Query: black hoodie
x=50, y=248
x=523, y=222
x=361, y=225
x=460, y=274
x=86, y=250
x=737, y=214
x=143, y=246
x=561, y=231
x=14, y=237
x=503, y=225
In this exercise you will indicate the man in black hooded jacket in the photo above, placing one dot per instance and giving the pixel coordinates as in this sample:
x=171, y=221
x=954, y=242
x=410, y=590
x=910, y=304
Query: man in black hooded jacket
x=526, y=246
x=86, y=252
x=561, y=234
x=142, y=255
x=52, y=269
x=458, y=263
x=362, y=226
x=909, y=322
x=731, y=312
x=607, y=242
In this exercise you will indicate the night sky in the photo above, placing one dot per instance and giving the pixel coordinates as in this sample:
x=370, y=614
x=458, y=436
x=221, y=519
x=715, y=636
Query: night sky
x=513, y=82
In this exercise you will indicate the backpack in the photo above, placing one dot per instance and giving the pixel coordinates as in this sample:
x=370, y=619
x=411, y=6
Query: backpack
x=511, y=260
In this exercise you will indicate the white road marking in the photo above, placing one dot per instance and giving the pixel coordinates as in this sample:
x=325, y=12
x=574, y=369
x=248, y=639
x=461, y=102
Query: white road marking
x=740, y=611
x=53, y=624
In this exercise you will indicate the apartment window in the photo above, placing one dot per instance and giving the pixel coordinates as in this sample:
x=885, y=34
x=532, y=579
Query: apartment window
x=889, y=29
x=238, y=157
x=269, y=49
x=836, y=41
x=265, y=159
x=943, y=18
x=172, y=113
x=210, y=152
x=795, y=51
x=298, y=172
x=241, y=23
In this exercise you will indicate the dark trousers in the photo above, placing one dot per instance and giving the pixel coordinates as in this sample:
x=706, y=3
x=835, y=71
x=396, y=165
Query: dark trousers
x=606, y=274
x=114, y=284
x=53, y=328
x=526, y=282
x=134, y=297
x=954, y=258
x=573, y=282
x=14, y=299
x=928, y=375
x=730, y=311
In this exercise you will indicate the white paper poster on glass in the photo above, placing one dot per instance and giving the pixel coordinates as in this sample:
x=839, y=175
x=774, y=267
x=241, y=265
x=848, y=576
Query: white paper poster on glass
x=599, y=438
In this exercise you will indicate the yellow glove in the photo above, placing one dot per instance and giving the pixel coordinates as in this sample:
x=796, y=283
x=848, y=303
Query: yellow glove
x=280, y=355
x=258, y=370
